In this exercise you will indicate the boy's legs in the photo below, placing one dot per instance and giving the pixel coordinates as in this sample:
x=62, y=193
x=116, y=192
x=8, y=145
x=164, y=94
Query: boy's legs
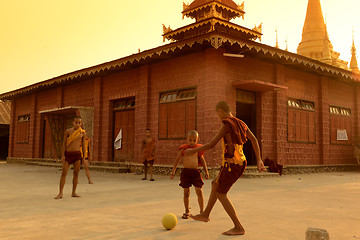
x=145, y=169
x=64, y=172
x=76, y=171
x=230, y=210
x=151, y=163
x=200, y=197
x=186, y=202
x=204, y=216
x=87, y=172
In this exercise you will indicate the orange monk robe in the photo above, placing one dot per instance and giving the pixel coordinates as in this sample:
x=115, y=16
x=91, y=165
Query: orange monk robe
x=74, y=136
x=149, y=153
x=87, y=148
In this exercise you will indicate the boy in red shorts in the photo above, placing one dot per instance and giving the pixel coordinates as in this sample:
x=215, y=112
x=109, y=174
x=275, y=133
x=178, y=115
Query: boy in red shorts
x=233, y=133
x=71, y=154
x=190, y=175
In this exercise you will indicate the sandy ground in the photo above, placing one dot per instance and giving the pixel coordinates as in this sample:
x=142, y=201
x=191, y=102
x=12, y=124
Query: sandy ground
x=121, y=206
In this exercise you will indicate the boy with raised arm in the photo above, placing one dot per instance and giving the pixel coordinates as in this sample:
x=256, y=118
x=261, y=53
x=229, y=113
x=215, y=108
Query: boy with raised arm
x=73, y=141
x=190, y=174
x=233, y=134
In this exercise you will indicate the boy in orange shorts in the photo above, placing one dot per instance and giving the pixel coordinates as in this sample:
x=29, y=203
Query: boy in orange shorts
x=233, y=133
x=190, y=175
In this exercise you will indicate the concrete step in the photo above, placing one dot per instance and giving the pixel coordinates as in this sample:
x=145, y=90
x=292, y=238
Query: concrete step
x=259, y=175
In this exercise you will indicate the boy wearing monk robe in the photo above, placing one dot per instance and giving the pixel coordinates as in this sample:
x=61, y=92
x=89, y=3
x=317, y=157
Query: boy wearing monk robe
x=233, y=133
x=74, y=139
x=148, y=153
x=190, y=175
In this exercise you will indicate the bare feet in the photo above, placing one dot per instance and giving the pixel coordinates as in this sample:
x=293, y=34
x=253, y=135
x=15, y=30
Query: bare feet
x=91, y=182
x=75, y=195
x=234, y=231
x=200, y=217
x=59, y=196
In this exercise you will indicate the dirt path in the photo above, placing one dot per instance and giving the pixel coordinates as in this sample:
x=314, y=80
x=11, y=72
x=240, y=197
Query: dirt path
x=121, y=206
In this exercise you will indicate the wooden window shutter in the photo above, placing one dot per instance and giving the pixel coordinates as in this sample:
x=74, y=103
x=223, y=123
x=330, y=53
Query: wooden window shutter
x=312, y=127
x=304, y=129
x=176, y=120
x=291, y=124
x=163, y=119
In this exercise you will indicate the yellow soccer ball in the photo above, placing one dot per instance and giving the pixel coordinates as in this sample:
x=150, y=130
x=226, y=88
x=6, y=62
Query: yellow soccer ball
x=169, y=221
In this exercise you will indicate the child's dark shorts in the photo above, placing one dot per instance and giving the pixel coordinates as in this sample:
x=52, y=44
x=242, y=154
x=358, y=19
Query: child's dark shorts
x=191, y=176
x=227, y=178
x=72, y=157
x=149, y=162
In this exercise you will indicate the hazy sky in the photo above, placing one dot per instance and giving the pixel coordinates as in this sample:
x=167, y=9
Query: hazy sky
x=42, y=39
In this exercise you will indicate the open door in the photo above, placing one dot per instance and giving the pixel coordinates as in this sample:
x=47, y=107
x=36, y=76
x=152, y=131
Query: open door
x=246, y=111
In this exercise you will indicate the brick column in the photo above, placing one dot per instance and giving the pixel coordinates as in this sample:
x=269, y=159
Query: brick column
x=142, y=110
x=324, y=121
x=280, y=115
x=98, y=109
x=34, y=126
x=356, y=112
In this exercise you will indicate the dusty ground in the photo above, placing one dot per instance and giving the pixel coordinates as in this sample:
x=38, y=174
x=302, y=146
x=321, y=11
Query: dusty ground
x=121, y=206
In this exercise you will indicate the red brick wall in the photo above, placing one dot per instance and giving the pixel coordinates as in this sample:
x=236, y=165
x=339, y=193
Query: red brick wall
x=212, y=74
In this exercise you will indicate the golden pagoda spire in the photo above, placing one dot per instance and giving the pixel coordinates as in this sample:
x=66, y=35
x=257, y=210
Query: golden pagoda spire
x=313, y=33
x=326, y=56
x=353, y=62
x=277, y=42
x=315, y=42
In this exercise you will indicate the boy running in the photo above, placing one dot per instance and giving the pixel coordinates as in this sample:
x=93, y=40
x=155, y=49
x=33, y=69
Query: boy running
x=233, y=133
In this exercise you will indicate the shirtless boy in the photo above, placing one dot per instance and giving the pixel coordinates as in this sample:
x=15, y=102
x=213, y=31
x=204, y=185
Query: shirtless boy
x=190, y=175
x=234, y=133
x=148, y=152
x=73, y=140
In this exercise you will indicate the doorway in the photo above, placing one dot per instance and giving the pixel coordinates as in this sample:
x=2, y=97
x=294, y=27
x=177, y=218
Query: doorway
x=124, y=121
x=246, y=111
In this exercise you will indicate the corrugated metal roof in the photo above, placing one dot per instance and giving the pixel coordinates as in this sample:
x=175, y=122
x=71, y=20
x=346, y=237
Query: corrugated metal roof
x=5, y=109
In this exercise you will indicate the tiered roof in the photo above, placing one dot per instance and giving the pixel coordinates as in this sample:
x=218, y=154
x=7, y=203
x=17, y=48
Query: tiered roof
x=212, y=16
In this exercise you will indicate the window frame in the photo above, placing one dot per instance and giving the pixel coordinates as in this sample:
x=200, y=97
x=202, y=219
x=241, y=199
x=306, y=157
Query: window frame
x=23, y=121
x=340, y=113
x=174, y=100
x=300, y=106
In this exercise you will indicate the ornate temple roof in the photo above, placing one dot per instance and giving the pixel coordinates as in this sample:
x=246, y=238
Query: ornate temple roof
x=212, y=16
x=197, y=7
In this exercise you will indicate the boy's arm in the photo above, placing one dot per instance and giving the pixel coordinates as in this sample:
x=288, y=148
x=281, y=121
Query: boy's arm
x=64, y=146
x=176, y=163
x=220, y=134
x=255, y=144
x=83, y=146
x=203, y=162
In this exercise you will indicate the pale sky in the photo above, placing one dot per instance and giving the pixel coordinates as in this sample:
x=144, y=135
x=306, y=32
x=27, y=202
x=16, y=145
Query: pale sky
x=42, y=39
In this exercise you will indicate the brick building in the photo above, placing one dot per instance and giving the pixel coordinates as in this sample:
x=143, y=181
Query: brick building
x=303, y=111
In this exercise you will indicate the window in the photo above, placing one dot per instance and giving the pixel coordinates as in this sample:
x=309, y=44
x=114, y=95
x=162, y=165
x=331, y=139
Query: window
x=126, y=104
x=340, y=125
x=301, y=121
x=177, y=113
x=23, y=129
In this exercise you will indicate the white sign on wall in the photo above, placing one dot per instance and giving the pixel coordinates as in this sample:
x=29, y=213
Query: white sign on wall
x=342, y=135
